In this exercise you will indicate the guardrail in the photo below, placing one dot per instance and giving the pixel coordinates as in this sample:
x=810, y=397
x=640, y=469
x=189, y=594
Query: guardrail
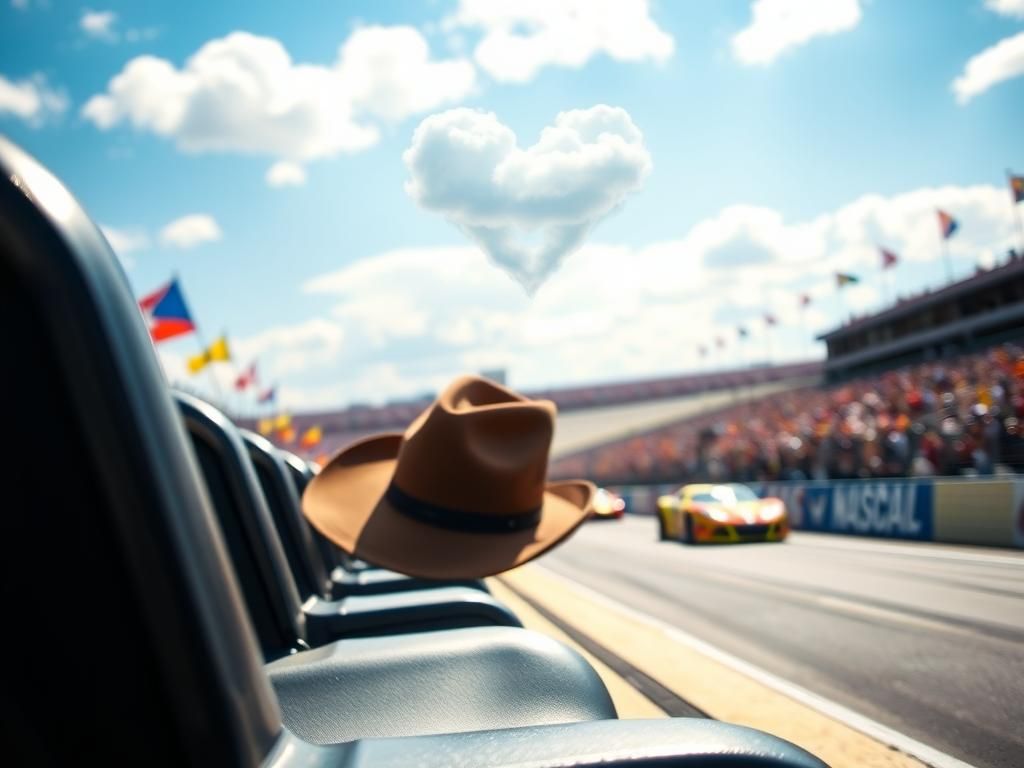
x=987, y=511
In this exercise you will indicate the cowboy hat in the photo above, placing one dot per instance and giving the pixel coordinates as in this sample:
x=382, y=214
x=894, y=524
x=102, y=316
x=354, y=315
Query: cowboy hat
x=461, y=494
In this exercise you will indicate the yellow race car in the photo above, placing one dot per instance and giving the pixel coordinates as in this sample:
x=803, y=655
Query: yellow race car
x=730, y=512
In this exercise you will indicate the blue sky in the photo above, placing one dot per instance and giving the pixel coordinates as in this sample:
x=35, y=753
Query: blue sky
x=756, y=155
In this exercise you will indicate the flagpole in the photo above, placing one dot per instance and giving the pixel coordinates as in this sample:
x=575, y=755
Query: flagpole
x=803, y=329
x=1016, y=210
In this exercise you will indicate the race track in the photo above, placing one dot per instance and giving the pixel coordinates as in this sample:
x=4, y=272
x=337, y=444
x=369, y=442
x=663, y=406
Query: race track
x=926, y=639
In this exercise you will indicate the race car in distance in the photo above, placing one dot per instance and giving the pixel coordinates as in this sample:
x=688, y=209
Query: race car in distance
x=730, y=512
x=607, y=505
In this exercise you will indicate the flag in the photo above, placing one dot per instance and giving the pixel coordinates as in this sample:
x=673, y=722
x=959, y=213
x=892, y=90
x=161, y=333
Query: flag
x=947, y=224
x=217, y=352
x=282, y=421
x=286, y=435
x=742, y=332
x=770, y=319
x=889, y=259
x=246, y=378
x=844, y=279
x=165, y=312
x=268, y=395
x=1017, y=187
x=311, y=437
x=805, y=299
x=266, y=426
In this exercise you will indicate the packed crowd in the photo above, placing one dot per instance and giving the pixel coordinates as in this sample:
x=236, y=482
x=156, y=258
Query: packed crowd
x=956, y=416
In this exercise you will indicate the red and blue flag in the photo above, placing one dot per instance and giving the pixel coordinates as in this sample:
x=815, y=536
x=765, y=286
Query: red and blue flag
x=166, y=313
x=947, y=225
x=267, y=396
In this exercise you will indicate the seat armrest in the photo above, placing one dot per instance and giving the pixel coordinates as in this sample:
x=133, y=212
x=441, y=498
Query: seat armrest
x=668, y=743
x=376, y=581
x=403, y=612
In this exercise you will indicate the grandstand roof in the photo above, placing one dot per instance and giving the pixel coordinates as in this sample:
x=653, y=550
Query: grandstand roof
x=981, y=280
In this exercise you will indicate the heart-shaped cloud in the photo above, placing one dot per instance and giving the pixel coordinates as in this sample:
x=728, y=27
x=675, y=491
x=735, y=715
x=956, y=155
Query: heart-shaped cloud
x=527, y=208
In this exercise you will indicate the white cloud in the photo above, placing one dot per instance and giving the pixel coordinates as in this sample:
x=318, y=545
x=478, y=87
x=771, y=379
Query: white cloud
x=99, y=24
x=520, y=38
x=1006, y=7
x=190, y=231
x=290, y=349
x=286, y=174
x=527, y=208
x=615, y=311
x=32, y=99
x=390, y=75
x=243, y=93
x=778, y=25
x=1002, y=61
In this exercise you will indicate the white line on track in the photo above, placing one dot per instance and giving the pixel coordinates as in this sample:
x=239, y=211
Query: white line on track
x=874, y=729
x=816, y=540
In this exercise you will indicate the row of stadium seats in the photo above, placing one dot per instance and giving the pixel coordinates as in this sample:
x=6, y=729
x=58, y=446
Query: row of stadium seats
x=167, y=605
x=948, y=417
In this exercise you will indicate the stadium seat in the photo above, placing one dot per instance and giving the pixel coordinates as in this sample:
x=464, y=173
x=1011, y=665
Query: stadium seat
x=284, y=588
x=161, y=666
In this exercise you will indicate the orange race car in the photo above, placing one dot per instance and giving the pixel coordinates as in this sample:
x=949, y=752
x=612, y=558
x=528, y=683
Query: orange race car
x=607, y=505
x=725, y=513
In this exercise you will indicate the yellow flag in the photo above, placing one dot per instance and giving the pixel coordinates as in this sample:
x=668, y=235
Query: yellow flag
x=283, y=421
x=311, y=437
x=216, y=352
x=266, y=426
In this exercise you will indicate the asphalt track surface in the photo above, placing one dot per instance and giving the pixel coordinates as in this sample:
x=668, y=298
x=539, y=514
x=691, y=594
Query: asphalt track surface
x=926, y=639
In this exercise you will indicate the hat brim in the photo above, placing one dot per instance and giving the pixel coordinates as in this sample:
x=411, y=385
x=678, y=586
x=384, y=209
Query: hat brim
x=345, y=502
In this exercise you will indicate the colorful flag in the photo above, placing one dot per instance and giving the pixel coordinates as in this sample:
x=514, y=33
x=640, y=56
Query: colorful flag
x=282, y=421
x=311, y=437
x=805, y=299
x=165, y=312
x=286, y=435
x=268, y=395
x=889, y=259
x=1017, y=187
x=246, y=378
x=843, y=278
x=770, y=319
x=947, y=224
x=217, y=352
x=266, y=426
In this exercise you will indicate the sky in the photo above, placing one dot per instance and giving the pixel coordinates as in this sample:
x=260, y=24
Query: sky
x=370, y=198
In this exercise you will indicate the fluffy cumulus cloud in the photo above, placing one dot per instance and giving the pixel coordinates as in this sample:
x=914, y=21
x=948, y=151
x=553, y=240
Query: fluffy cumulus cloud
x=527, y=208
x=99, y=24
x=244, y=93
x=1002, y=61
x=614, y=311
x=30, y=99
x=286, y=174
x=190, y=231
x=1013, y=8
x=520, y=38
x=778, y=25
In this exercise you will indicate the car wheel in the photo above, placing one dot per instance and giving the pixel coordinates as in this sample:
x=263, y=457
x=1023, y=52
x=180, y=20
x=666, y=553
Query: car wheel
x=688, y=530
x=662, y=533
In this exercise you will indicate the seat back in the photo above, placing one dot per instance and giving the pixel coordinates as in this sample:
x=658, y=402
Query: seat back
x=306, y=562
x=268, y=586
x=302, y=472
x=133, y=644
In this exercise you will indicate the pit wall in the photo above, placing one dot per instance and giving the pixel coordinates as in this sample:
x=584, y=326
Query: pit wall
x=986, y=511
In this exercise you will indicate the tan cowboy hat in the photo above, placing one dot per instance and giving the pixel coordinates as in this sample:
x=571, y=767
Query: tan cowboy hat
x=462, y=494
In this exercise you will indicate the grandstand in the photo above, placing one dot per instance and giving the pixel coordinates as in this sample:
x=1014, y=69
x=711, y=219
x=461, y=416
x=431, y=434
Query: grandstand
x=984, y=309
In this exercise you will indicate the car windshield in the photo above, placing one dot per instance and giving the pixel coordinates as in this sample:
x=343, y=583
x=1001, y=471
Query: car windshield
x=725, y=494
